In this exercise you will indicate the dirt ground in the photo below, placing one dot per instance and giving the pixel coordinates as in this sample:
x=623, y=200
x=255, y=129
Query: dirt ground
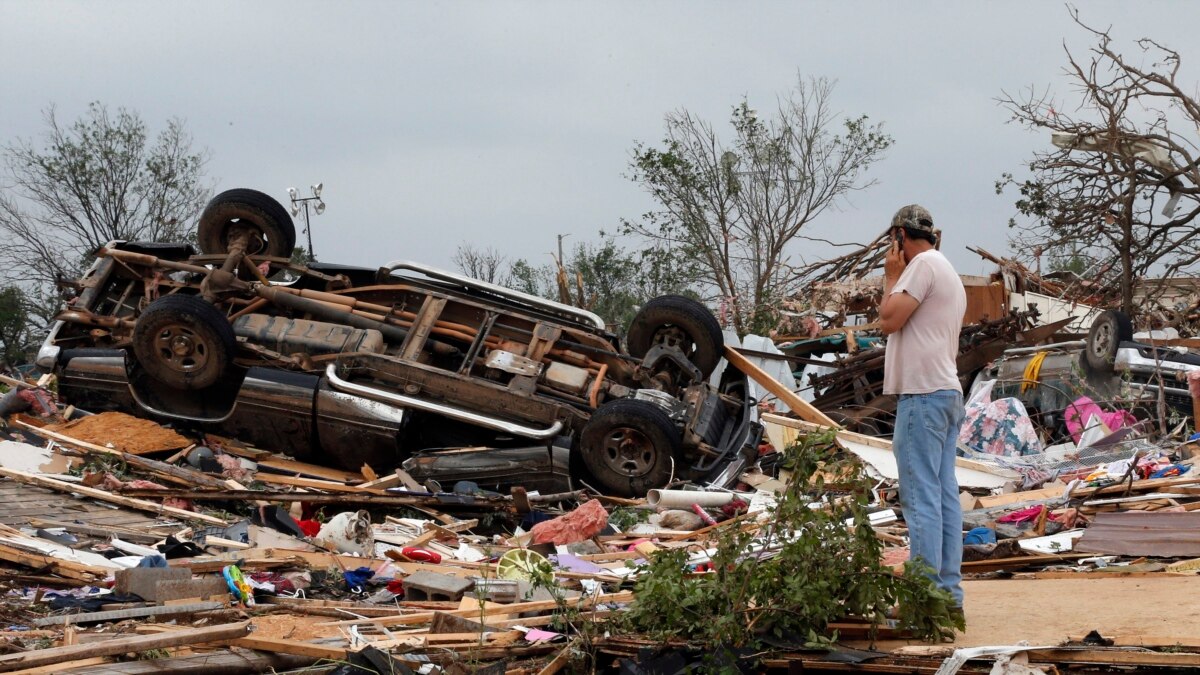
x=1163, y=610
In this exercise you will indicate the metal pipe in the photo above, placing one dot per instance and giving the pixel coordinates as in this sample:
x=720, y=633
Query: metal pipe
x=329, y=313
x=581, y=315
x=89, y=319
x=429, y=406
x=1075, y=344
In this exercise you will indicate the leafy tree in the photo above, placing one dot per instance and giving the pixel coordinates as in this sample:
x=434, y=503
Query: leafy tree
x=87, y=182
x=604, y=278
x=15, y=327
x=1122, y=180
x=734, y=210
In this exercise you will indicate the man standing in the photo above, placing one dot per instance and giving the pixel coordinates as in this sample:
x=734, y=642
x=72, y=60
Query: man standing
x=921, y=313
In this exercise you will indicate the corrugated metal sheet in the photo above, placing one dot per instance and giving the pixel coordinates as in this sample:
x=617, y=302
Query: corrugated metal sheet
x=1154, y=533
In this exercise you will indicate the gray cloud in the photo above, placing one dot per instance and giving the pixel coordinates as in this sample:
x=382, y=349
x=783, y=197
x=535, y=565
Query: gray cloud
x=505, y=123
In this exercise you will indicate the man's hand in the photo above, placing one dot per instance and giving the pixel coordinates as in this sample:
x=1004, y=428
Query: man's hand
x=893, y=264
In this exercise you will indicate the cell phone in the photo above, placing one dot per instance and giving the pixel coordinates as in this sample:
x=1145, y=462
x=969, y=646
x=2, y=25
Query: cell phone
x=898, y=236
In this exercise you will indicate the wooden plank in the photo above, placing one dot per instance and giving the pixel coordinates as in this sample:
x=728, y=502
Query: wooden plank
x=104, y=532
x=1114, y=657
x=513, y=608
x=1018, y=497
x=305, y=469
x=297, y=647
x=131, y=613
x=108, y=496
x=313, y=483
x=78, y=663
x=803, y=408
x=138, y=643
x=389, y=499
x=40, y=561
x=169, y=472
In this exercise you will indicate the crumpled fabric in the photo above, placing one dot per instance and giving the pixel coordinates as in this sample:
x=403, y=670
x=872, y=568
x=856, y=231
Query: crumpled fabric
x=231, y=467
x=1000, y=427
x=114, y=484
x=1078, y=414
x=358, y=578
x=1026, y=515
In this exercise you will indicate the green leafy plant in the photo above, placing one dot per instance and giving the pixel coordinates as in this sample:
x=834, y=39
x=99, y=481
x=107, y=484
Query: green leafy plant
x=794, y=575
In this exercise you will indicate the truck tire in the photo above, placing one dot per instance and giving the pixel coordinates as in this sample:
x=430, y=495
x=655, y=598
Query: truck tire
x=630, y=446
x=1107, y=333
x=675, y=319
x=184, y=342
x=270, y=225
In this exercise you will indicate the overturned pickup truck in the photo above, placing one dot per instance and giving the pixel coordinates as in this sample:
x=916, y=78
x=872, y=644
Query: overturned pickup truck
x=351, y=366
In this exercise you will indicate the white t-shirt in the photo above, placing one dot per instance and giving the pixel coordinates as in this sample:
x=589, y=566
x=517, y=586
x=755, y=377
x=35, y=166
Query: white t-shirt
x=921, y=357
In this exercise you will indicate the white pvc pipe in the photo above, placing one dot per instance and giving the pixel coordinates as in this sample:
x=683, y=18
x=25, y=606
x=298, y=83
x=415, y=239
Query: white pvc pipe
x=683, y=499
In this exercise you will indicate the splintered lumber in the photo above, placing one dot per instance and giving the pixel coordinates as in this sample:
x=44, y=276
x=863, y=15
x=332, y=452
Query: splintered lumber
x=292, y=466
x=803, y=408
x=131, y=613
x=512, y=608
x=222, y=662
x=41, y=561
x=295, y=647
x=68, y=666
x=457, y=502
x=176, y=474
x=313, y=483
x=137, y=643
x=138, y=504
x=102, y=532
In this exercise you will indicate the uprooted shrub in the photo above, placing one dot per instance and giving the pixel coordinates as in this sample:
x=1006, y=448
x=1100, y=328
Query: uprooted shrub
x=794, y=575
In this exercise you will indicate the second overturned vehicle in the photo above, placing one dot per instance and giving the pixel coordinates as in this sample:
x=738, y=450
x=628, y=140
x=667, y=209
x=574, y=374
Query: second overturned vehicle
x=353, y=365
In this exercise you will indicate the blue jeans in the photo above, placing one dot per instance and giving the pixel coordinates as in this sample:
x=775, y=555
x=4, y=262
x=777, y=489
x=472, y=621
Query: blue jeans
x=924, y=443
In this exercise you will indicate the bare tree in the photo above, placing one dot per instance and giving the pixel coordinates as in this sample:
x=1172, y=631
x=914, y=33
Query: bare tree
x=1120, y=192
x=736, y=210
x=484, y=264
x=94, y=180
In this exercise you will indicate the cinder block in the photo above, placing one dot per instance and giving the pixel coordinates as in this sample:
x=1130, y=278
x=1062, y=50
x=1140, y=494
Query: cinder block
x=204, y=588
x=141, y=581
x=163, y=584
x=432, y=587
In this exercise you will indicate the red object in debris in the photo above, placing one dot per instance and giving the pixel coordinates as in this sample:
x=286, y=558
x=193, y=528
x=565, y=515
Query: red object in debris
x=421, y=555
x=708, y=520
x=310, y=528
x=735, y=508
x=581, y=524
x=396, y=586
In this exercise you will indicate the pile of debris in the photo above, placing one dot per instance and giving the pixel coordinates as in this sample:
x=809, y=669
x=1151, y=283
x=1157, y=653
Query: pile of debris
x=122, y=537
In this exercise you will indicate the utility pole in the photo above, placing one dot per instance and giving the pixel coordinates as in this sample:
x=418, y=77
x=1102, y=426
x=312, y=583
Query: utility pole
x=560, y=253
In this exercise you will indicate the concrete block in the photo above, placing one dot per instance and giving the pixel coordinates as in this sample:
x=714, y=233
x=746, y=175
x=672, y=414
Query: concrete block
x=164, y=584
x=204, y=588
x=432, y=587
x=141, y=581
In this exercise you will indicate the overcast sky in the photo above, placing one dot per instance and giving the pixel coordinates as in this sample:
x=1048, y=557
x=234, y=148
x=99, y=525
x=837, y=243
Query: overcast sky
x=503, y=124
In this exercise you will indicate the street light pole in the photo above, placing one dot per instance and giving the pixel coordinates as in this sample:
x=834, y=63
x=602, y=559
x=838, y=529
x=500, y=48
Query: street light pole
x=319, y=208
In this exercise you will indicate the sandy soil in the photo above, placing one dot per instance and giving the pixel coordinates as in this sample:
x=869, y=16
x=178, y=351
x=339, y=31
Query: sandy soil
x=1151, y=610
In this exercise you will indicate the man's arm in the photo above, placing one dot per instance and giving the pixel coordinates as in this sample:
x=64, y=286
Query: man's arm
x=895, y=311
x=894, y=308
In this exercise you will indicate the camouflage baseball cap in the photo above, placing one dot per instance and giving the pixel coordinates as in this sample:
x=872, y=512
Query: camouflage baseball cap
x=914, y=217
